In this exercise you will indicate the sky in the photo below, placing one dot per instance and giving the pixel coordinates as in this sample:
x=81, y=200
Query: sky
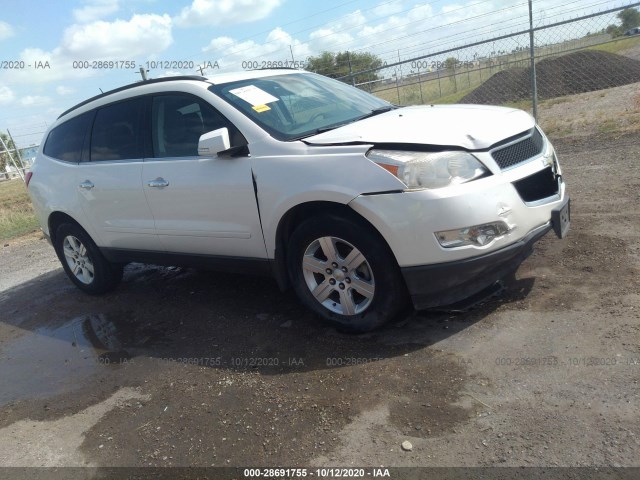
x=54, y=55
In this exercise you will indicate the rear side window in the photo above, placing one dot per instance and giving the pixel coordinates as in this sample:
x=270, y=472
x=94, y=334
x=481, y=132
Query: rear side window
x=65, y=141
x=116, y=132
x=178, y=121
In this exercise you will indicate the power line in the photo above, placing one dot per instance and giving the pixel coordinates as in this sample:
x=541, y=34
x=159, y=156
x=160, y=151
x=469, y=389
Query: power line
x=340, y=19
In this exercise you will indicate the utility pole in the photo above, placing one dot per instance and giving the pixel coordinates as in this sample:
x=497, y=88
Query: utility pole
x=17, y=150
x=143, y=73
x=5, y=148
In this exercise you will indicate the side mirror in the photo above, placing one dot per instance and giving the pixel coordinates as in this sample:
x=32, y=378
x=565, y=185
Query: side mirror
x=212, y=143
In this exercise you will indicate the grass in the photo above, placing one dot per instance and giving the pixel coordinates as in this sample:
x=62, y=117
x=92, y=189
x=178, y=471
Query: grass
x=555, y=101
x=16, y=213
x=443, y=87
x=618, y=45
x=454, y=97
x=608, y=126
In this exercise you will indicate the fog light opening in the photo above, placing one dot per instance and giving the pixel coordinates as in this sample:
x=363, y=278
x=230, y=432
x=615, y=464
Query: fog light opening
x=477, y=235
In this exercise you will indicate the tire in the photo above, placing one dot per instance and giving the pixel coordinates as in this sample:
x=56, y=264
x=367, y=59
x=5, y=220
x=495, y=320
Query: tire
x=357, y=283
x=83, y=262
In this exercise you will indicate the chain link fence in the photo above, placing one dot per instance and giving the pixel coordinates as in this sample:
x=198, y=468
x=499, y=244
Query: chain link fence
x=18, y=149
x=586, y=75
x=571, y=57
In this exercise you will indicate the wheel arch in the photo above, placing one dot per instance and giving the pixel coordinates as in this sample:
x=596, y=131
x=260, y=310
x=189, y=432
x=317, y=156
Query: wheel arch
x=298, y=214
x=56, y=219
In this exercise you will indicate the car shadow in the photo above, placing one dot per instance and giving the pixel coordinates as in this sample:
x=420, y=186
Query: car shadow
x=205, y=319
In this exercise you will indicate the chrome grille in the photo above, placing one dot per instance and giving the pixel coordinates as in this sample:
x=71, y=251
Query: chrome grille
x=521, y=151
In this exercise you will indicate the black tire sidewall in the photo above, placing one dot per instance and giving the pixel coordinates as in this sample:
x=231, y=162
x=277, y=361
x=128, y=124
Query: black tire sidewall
x=390, y=291
x=106, y=275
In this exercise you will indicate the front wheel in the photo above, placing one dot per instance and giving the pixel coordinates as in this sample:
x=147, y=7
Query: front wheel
x=343, y=271
x=82, y=261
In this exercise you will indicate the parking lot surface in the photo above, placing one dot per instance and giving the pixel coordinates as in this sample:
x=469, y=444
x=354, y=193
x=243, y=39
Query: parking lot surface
x=179, y=367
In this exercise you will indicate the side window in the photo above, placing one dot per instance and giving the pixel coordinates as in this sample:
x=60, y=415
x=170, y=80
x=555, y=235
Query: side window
x=178, y=121
x=116, y=132
x=65, y=141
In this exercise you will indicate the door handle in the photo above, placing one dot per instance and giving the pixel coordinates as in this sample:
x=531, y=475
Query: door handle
x=87, y=185
x=158, y=183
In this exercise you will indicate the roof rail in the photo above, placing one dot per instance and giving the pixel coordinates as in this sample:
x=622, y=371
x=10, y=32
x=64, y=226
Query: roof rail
x=132, y=85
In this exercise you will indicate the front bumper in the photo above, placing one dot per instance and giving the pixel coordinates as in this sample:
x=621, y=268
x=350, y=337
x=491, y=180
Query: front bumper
x=448, y=283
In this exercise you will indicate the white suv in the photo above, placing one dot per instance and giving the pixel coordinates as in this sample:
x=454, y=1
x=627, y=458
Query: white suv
x=356, y=203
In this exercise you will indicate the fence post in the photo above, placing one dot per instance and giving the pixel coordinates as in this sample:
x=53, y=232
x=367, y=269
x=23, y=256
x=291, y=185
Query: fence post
x=534, y=83
x=353, y=80
x=455, y=79
x=420, y=84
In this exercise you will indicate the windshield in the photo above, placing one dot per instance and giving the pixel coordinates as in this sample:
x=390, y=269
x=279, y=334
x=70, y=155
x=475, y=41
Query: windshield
x=297, y=105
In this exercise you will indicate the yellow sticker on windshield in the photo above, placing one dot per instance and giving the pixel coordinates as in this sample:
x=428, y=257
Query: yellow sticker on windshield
x=261, y=108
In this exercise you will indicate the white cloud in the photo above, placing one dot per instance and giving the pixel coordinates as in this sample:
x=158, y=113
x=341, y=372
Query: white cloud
x=412, y=29
x=334, y=35
x=457, y=13
x=219, y=44
x=95, y=10
x=411, y=22
x=6, y=30
x=224, y=12
x=62, y=90
x=120, y=39
x=34, y=101
x=329, y=39
x=232, y=54
x=6, y=95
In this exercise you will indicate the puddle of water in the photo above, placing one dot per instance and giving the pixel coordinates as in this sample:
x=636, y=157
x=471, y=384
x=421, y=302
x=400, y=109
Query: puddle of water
x=47, y=361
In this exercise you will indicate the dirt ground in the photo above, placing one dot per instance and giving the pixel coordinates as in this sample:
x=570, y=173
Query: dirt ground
x=183, y=368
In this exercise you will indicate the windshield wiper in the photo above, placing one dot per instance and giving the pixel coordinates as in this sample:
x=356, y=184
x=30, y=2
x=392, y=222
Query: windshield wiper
x=329, y=128
x=318, y=131
x=377, y=111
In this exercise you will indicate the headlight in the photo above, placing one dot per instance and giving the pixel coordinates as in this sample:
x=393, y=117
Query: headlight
x=418, y=170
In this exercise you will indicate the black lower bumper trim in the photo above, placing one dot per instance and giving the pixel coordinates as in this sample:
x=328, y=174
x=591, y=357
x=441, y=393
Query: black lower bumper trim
x=444, y=284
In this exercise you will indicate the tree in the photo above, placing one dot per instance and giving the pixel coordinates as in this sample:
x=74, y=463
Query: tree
x=630, y=18
x=323, y=64
x=614, y=30
x=4, y=156
x=342, y=63
x=450, y=63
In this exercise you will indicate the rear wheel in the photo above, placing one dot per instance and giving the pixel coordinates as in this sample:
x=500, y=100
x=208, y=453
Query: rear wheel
x=82, y=261
x=345, y=273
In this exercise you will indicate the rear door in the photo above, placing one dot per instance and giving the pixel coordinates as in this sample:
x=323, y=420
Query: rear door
x=201, y=205
x=110, y=182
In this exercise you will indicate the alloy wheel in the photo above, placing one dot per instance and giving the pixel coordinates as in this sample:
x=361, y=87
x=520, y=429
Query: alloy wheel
x=78, y=260
x=338, y=275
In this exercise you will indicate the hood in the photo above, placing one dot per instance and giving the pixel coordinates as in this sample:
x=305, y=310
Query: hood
x=473, y=127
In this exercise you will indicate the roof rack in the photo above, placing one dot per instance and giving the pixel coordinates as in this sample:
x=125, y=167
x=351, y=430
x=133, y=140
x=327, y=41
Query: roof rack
x=132, y=85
